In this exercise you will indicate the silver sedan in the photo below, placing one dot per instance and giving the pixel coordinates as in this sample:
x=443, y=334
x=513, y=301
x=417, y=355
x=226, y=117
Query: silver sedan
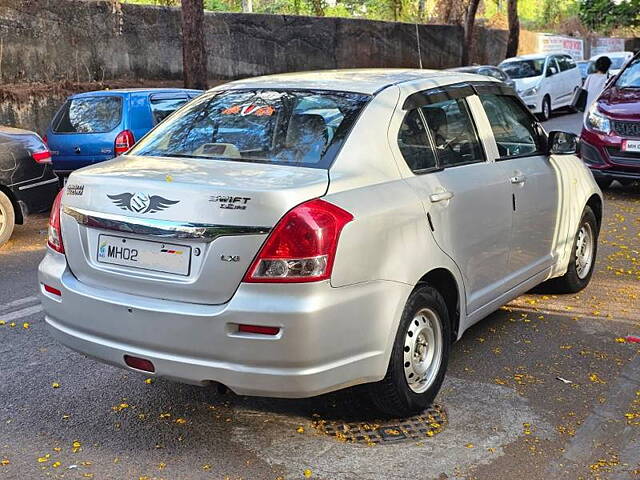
x=296, y=234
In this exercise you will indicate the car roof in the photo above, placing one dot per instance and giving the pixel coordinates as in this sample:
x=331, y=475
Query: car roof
x=470, y=67
x=612, y=54
x=15, y=131
x=531, y=56
x=126, y=91
x=367, y=80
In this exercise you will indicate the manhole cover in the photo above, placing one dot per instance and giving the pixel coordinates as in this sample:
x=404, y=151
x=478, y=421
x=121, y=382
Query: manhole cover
x=429, y=423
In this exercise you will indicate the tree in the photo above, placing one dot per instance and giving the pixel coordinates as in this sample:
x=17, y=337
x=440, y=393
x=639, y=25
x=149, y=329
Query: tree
x=469, y=21
x=606, y=15
x=514, y=28
x=194, y=55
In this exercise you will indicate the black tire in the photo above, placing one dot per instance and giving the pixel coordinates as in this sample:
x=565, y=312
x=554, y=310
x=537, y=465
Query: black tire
x=572, y=281
x=545, y=113
x=7, y=218
x=393, y=396
x=604, y=183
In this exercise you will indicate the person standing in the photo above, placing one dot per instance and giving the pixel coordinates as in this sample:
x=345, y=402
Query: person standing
x=594, y=84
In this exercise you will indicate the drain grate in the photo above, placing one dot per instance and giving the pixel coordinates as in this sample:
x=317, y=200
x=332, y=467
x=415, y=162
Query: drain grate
x=419, y=427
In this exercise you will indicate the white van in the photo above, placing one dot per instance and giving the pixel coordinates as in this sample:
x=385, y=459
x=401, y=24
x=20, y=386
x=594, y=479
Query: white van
x=545, y=82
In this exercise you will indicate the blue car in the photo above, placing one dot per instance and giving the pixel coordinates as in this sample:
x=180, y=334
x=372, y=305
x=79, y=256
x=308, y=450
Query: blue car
x=96, y=126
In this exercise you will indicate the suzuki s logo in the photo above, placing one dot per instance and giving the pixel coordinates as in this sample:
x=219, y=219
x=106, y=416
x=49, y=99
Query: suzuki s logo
x=141, y=202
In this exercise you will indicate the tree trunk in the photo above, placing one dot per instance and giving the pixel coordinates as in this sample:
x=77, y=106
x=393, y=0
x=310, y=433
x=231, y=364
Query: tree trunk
x=421, y=10
x=469, y=21
x=318, y=7
x=514, y=28
x=247, y=6
x=194, y=56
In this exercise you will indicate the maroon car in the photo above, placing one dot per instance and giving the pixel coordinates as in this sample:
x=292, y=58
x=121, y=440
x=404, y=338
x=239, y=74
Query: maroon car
x=610, y=140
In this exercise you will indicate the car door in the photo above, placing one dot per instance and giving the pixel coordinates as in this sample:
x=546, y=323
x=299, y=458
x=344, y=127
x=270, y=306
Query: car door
x=466, y=198
x=533, y=182
x=553, y=82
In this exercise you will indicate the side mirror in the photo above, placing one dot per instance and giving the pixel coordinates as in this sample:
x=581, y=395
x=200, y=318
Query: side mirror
x=563, y=143
x=551, y=71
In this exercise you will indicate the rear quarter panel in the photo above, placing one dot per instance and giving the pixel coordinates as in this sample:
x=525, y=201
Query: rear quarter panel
x=389, y=238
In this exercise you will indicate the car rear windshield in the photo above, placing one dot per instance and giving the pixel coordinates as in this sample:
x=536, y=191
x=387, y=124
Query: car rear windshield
x=289, y=127
x=524, y=68
x=630, y=76
x=89, y=115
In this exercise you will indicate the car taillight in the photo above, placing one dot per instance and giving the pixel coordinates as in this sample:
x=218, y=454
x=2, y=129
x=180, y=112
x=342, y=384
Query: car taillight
x=55, y=232
x=302, y=246
x=43, y=156
x=124, y=141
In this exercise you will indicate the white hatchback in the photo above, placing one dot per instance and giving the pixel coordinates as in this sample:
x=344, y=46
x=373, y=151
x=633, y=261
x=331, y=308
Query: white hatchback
x=296, y=234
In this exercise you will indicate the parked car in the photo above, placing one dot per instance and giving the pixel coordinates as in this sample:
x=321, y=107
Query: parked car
x=544, y=82
x=288, y=257
x=585, y=67
x=27, y=182
x=92, y=127
x=610, y=139
x=487, y=70
x=618, y=60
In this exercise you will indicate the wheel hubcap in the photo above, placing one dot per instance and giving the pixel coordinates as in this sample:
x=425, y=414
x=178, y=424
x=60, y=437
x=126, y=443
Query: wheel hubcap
x=584, y=250
x=422, y=350
x=546, y=109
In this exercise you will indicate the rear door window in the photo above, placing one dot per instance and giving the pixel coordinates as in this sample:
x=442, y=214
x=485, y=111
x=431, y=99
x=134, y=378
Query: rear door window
x=453, y=132
x=161, y=107
x=414, y=142
x=98, y=114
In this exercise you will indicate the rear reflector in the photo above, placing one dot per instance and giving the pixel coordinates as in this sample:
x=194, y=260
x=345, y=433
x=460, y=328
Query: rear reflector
x=42, y=157
x=52, y=290
x=139, y=363
x=259, y=329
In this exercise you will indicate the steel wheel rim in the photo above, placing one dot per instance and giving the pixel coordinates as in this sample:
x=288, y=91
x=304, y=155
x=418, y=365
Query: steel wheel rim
x=3, y=222
x=422, y=350
x=584, y=250
x=546, y=109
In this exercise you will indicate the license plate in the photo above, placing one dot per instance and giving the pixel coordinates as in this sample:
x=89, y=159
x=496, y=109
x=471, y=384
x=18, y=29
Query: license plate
x=631, y=146
x=144, y=254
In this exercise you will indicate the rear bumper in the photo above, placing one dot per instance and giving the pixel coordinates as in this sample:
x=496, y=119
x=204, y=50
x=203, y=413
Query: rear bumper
x=330, y=338
x=37, y=195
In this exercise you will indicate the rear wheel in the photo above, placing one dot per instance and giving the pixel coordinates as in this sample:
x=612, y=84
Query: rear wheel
x=419, y=358
x=7, y=218
x=583, y=257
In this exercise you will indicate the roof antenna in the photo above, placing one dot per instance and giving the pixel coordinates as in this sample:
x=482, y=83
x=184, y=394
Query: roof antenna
x=419, y=53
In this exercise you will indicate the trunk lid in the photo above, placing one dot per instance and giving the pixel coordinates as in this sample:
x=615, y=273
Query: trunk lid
x=145, y=197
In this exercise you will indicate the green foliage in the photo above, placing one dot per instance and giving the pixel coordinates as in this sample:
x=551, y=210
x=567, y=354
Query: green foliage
x=603, y=16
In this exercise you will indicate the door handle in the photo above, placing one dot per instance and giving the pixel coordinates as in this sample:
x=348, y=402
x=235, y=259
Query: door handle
x=440, y=196
x=518, y=179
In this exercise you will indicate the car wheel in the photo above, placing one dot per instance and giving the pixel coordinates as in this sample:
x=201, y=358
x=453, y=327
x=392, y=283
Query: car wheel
x=7, y=218
x=583, y=256
x=419, y=358
x=604, y=183
x=546, y=109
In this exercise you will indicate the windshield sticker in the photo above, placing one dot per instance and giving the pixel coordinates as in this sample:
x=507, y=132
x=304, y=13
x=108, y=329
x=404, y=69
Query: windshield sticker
x=250, y=109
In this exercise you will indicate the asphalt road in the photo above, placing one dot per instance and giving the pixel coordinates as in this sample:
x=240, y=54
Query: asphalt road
x=542, y=389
